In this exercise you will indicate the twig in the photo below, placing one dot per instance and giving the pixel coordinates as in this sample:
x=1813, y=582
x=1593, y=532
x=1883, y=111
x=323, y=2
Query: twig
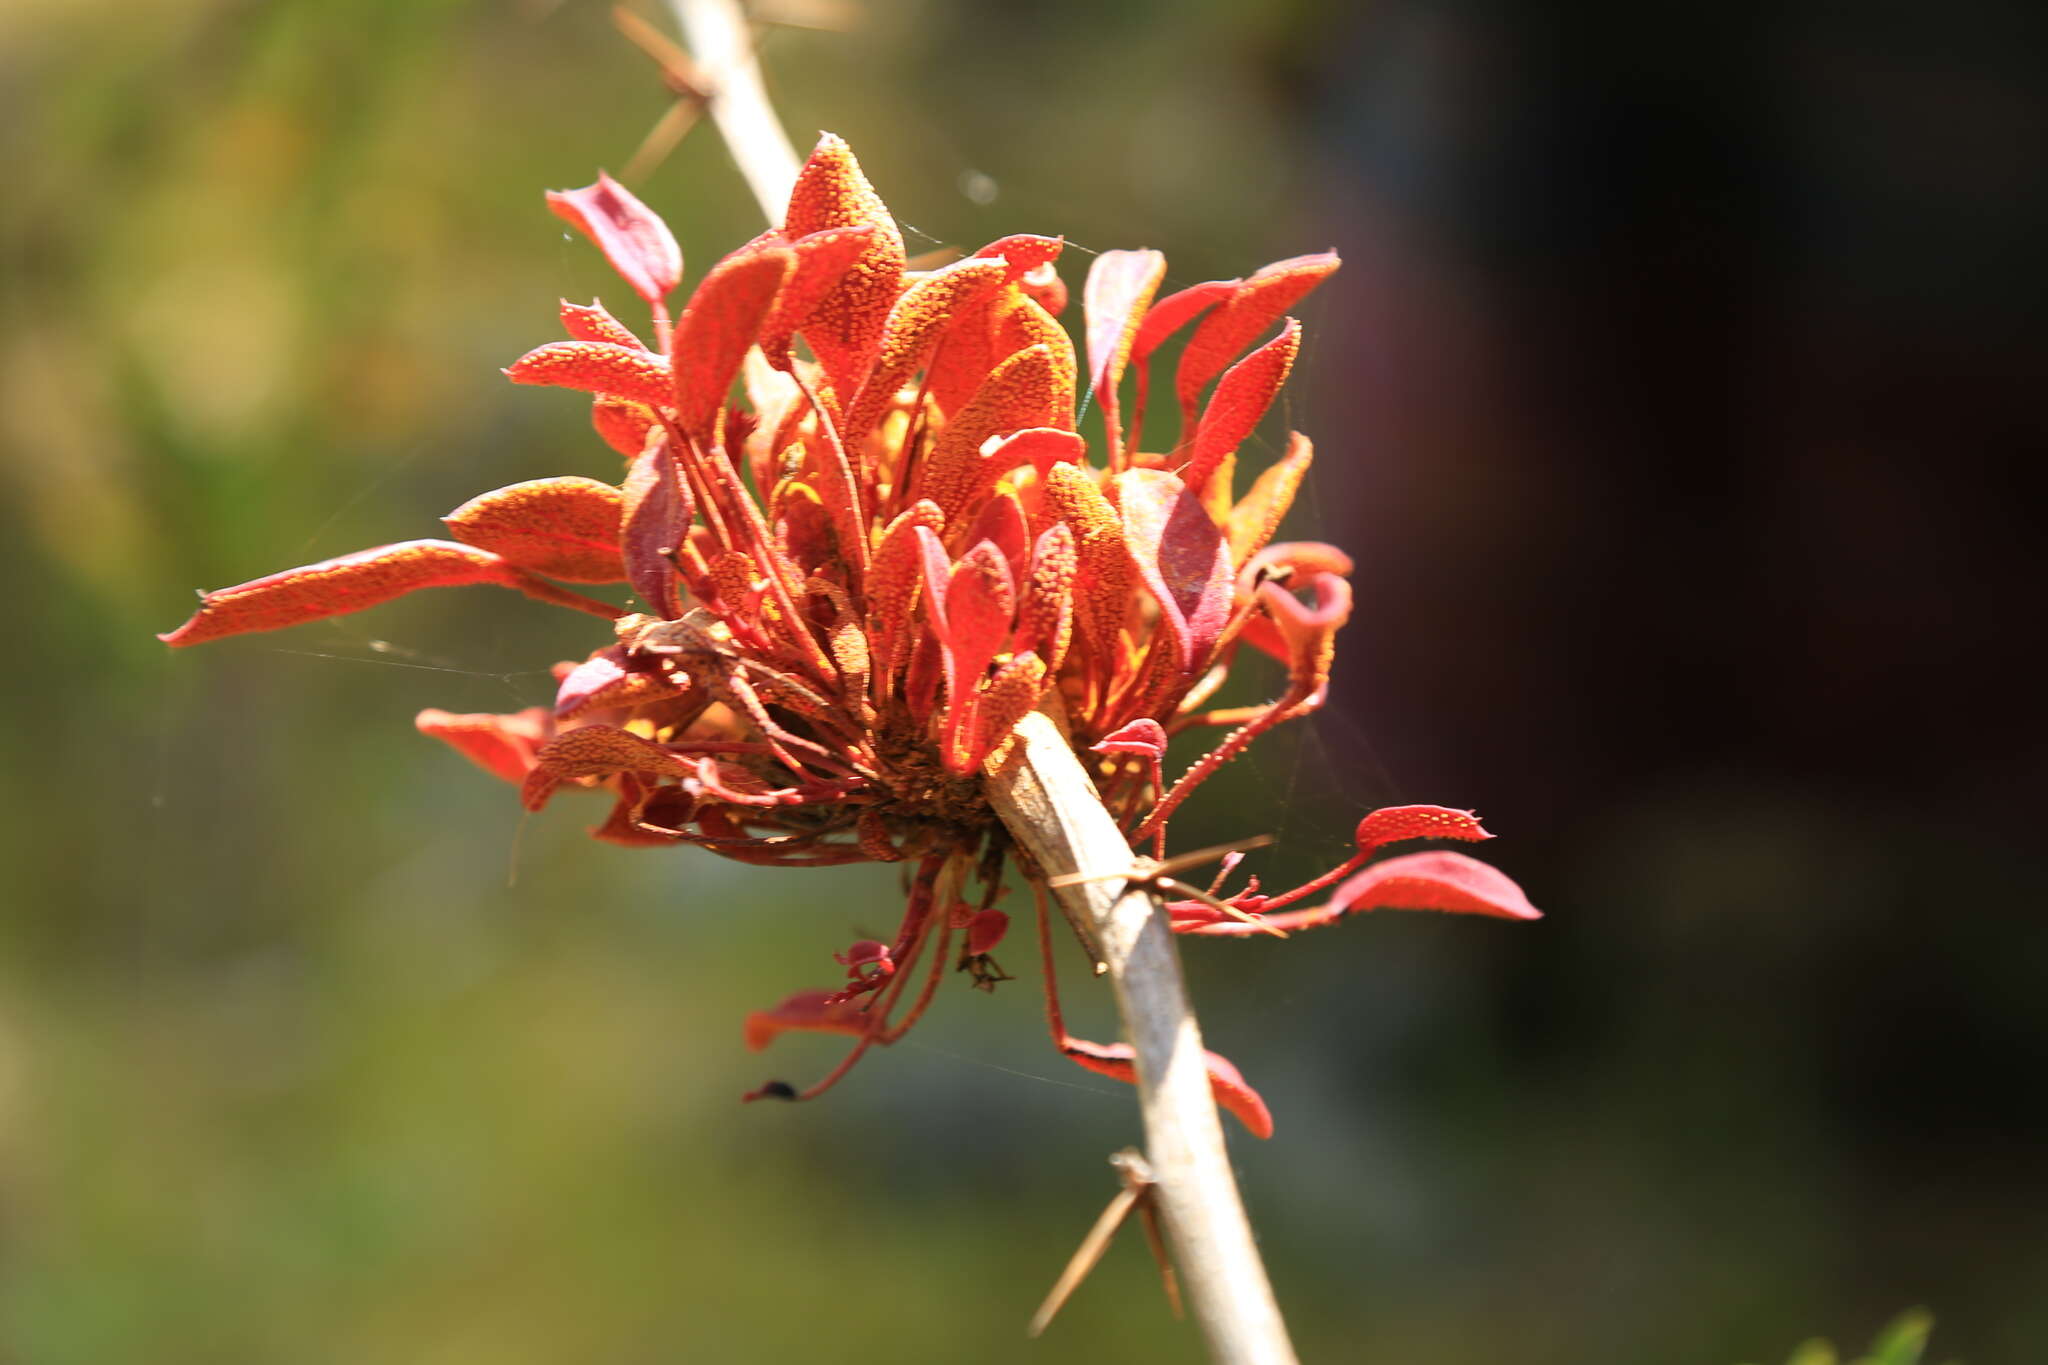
x=723, y=50
x=1050, y=805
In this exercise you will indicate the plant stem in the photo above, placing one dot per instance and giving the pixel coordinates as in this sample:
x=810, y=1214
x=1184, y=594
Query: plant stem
x=1051, y=807
x=1049, y=804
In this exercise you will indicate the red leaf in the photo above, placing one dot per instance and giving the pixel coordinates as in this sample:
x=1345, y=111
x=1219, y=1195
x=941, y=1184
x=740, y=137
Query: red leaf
x=1119, y=289
x=1226, y=1083
x=985, y=931
x=654, y=520
x=722, y=320
x=566, y=528
x=807, y=1012
x=1176, y=311
x=1253, y=306
x=631, y=235
x=980, y=606
x=597, y=367
x=1240, y=400
x=1429, y=881
x=1182, y=557
x=503, y=746
x=335, y=587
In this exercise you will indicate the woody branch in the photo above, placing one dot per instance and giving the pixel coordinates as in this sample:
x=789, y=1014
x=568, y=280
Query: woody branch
x=1050, y=806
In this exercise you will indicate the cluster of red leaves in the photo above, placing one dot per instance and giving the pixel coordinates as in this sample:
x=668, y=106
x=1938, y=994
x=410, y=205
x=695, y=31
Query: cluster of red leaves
x=858, y=578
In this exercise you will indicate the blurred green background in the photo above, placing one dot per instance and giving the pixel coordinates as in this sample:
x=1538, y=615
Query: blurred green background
x=312, y=1049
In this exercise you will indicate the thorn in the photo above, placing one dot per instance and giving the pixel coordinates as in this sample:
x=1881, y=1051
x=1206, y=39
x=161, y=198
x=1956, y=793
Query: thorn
x=1136, y=1194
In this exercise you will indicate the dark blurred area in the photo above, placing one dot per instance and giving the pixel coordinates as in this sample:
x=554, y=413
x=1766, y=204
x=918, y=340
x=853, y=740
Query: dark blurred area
x=1681, y=402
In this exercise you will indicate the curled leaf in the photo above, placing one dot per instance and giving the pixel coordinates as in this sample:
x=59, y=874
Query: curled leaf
x=1226, y=1083
x=503, y=746
x=806, y=1012
x=631, y=235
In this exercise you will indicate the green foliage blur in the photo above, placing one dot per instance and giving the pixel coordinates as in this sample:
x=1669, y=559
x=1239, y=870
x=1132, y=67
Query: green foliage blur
x=1902, y=1342
x=312, y=1049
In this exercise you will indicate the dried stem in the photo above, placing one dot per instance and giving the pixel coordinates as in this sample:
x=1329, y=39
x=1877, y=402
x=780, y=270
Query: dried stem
x=1050, y=806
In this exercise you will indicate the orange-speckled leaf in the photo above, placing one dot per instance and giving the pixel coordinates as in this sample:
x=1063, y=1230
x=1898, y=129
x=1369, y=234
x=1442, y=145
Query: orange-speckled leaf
x=1253, y=306
x=1025, y=252
x=1019, y=322
x=1103, y=561
x=846, y=324
x=1119, y=290
x=597, y=367
x=654, y=518
x=722, y=320
x=503, y=746
x=1021, y=392
x=593, y=323
x=1259, y=513
x=1045, y=610
x=623, y=425
x=1241, y=399
x=1182, y=558
x=597, y=751
x=1226, y=1083
x=914, y=324
x=1393, y=824
x=631, y=235
x=566, y=528
x=335, y=587
x=1008, y=697
x=822, y=260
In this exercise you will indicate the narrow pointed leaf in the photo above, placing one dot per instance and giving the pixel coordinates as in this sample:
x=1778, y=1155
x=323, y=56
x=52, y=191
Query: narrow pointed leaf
x=336, y=587
x=1240, y=400
x=1253, y=306
x=654, y=519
